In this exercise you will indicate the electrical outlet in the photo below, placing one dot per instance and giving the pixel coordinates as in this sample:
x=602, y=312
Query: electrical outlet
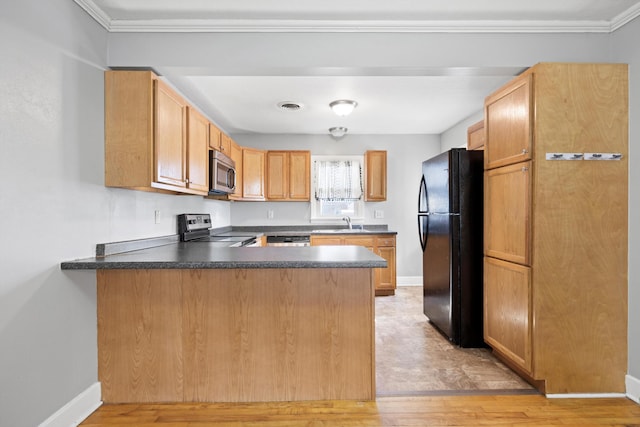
x=270, y=213
x=378, y=214
x=157, y=217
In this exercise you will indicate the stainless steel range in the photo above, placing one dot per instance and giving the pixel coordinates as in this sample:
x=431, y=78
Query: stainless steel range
x=197, y=228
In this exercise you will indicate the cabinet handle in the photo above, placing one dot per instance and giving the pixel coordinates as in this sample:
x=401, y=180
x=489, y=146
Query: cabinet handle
x=186, y=181
x=525, y=151
x=524, y=169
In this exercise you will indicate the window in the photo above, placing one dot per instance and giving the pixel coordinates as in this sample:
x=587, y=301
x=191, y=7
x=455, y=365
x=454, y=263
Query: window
x=337, y=187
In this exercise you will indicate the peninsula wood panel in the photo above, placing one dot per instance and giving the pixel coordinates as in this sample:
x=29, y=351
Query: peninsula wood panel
x=229, y=335
x=140, y=335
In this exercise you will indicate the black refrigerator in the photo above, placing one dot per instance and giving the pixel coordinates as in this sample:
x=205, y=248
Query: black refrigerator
x=451, y=228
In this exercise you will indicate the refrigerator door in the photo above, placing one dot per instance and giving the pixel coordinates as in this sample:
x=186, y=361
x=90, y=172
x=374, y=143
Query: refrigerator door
x=436, y=173
x=440, y=290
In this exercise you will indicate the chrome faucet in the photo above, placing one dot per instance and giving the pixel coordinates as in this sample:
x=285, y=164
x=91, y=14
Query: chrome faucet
x=348, y=219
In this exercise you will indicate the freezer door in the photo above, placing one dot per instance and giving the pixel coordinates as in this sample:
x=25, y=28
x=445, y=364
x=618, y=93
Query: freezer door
x=436, y=175
x=440, y=297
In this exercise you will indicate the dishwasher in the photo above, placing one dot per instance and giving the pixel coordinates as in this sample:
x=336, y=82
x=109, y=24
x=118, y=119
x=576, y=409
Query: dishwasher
x=297, y=240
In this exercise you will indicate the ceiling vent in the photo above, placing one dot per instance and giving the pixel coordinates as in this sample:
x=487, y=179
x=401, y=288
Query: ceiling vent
x=289, y=106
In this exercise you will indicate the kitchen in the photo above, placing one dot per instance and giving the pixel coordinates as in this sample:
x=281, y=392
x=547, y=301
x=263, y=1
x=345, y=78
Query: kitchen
x=53, y=122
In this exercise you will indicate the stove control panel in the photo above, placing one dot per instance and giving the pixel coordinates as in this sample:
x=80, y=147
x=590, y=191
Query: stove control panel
x=193, y=222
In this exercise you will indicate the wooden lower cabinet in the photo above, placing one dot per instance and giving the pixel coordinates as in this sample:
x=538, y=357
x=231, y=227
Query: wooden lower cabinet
x=507, y=310
x=382, y=245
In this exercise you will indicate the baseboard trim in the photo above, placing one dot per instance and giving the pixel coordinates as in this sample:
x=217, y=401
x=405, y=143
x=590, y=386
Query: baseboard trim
x=76, y=410
x=633, y=388
x=585, y=395
x=409, y=281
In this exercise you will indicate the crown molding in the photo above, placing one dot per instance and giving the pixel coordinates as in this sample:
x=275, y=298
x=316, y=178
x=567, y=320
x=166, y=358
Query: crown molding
x=95, y=12
x=350, y=26
x=625, y=17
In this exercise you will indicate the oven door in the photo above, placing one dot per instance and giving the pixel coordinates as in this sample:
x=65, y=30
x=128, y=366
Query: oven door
x=222, y=179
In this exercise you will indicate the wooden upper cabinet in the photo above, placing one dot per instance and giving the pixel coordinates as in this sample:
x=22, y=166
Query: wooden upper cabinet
x=375, y=170
x=197, y=151
x=288, y=175
x=507, y=218
x=169, y=133
x=225, y=143
x=299, y=175
x=508, y=120
x=215, y=137
x=146, y=134
x=475, y=136
x=253, y=173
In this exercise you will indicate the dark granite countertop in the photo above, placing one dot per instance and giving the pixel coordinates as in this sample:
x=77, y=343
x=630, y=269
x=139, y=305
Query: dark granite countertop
x=204, y=256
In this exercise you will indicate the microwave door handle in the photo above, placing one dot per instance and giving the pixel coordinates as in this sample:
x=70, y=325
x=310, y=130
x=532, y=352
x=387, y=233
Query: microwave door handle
x=231, y=179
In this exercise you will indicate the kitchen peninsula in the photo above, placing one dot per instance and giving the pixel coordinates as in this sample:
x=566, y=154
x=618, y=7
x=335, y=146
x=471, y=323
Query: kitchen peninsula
x=187, y=322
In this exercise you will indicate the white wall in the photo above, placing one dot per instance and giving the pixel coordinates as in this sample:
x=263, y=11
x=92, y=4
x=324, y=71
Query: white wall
x=625, y=48
x=405, y=154
x=54, y=206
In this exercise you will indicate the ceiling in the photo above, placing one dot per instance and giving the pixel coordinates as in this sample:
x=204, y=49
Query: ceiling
x=389, y=102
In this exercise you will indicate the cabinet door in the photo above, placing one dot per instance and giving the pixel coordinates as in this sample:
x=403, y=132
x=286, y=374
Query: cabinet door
x=475, y=136
x=386, y=277
x=253, y=162
x=215, y=136
x=225, y=143
x=169, y=136
x=277, y=175
x=508, y=118
x=197, y=151
x=507, y=310
x=326, y=240
x=299, y=175
x=507, y=213
x=376, y=176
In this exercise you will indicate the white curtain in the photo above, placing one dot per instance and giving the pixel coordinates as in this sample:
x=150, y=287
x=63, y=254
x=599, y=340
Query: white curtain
x=338, y=180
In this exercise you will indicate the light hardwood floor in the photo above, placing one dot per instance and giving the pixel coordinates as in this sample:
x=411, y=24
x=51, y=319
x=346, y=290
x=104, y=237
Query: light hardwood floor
x=421, y=381
x=432, y=411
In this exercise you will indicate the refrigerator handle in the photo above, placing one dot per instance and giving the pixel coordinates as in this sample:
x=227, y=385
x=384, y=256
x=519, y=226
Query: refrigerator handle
x=423, y=203
x=423, y=226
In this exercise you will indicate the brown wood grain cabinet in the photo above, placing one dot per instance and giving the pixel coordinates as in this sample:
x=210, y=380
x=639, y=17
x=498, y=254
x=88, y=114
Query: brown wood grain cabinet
x=253, y=174
x=475, y=136
x=555, y=279
x=146, y=145
x=197, y=151
x=375, y=171
x=382, y=245
x=288, y=175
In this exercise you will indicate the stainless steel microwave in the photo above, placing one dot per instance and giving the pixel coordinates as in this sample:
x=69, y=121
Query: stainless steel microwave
x=222, y=173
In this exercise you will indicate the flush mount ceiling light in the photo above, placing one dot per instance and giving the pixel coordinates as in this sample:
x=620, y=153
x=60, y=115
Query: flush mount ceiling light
x=289, y=106
x=343, y=107
x=337, y=132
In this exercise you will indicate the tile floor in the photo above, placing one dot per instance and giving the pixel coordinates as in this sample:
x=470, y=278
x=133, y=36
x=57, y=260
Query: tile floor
x=413, y=358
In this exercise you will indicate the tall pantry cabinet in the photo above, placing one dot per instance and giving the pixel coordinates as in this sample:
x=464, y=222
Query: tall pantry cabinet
x=555, y=300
